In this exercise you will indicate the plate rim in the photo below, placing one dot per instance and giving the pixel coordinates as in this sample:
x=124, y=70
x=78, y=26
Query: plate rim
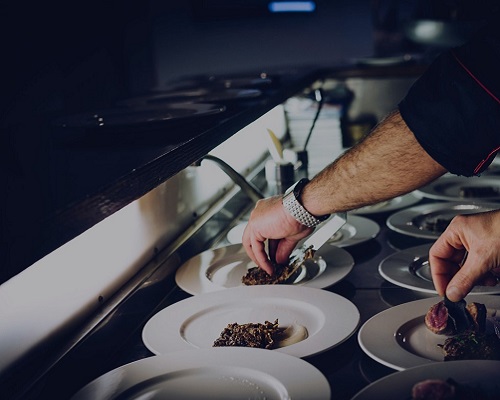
x=401, y=260
x=237, y=357
x=332, y=274
x=440, y=370
x=403, y=219
x=318, y=298
x=428, y=191
x=390, y=321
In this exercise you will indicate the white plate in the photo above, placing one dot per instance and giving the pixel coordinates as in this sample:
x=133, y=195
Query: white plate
x=483, y=374
x=410, y=269
x=414, y=221
x=399, y=339
x=355, y=231
x=223, y=268
x=448, y=188
x=197, y=322
x=221, y=373
x=389, y=205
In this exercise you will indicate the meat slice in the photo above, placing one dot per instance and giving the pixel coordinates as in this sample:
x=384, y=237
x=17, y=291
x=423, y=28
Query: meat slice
x=450, y=318
x=437, y=320
x=433, y=389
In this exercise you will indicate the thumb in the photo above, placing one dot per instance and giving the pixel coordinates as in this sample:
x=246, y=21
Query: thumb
x=465, y=279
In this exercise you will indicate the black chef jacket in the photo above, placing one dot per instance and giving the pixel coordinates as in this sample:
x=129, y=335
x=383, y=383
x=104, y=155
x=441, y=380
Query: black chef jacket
x=454, y=108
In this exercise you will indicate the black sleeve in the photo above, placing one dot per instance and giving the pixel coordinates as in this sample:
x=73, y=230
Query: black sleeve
x=454, y=108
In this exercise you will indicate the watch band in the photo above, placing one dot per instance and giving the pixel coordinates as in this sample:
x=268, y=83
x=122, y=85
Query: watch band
x=291, y=203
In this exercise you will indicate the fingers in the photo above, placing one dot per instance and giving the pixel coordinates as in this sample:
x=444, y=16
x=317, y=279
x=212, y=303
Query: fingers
x=442, y=272
x=256, y=250
x=272, y=246
x=444, y=261
x=472, y=271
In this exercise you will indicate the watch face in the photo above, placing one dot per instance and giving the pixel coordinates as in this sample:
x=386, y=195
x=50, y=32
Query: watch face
x=297, y=188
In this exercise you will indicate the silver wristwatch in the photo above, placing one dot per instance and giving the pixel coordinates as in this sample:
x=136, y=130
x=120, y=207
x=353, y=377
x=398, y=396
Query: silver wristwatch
x=291, y=202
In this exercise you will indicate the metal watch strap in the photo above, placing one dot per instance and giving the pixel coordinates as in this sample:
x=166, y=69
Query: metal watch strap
x=292, y=204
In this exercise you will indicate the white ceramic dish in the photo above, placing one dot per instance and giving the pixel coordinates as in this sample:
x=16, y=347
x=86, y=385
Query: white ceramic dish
x=481, y=374
x=410, y=269
x=221, y=373
x=355, y=231
x=223, y=267
x=420, y=221
x=399, y=339
x=197, y=322
x=396, y=203
x=448, y=188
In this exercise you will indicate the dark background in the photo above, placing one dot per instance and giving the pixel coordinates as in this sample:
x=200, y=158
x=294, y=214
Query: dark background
x=60, y=58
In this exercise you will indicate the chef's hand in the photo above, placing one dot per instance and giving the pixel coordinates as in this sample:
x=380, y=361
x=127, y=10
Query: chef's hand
x=475, y=234
x=270, y=221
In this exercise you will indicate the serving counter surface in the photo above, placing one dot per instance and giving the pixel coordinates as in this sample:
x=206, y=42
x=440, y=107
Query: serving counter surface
x=118, y=341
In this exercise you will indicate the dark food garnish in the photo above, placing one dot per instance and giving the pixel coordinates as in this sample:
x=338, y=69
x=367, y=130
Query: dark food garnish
x=263, y=336
x=282, y=273
x=471, y=346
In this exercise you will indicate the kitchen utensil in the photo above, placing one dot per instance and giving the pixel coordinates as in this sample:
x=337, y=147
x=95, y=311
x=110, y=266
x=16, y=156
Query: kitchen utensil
x=323, y=232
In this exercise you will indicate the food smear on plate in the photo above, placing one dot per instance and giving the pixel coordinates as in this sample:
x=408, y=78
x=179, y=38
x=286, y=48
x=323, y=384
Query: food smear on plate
x=268, y=335
x=473, y=333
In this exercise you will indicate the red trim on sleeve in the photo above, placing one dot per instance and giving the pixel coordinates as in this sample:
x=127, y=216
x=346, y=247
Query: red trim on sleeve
x=492, y=153
x=476, y=79
x=479, y=166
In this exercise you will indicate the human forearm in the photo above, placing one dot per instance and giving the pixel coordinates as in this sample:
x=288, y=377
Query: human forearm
x=388, y=163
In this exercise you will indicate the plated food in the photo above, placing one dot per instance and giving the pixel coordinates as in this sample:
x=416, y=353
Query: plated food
x=428, y=221
x=225, y=373
x=223, y=268
x=267, y=335
x=196, y=322
x=282, y=274
x=399, y=338
x=471, y=332
x=410, y=269
x=480, y=376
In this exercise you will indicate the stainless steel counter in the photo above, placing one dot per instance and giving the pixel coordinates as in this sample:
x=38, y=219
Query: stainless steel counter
x=117, y=339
